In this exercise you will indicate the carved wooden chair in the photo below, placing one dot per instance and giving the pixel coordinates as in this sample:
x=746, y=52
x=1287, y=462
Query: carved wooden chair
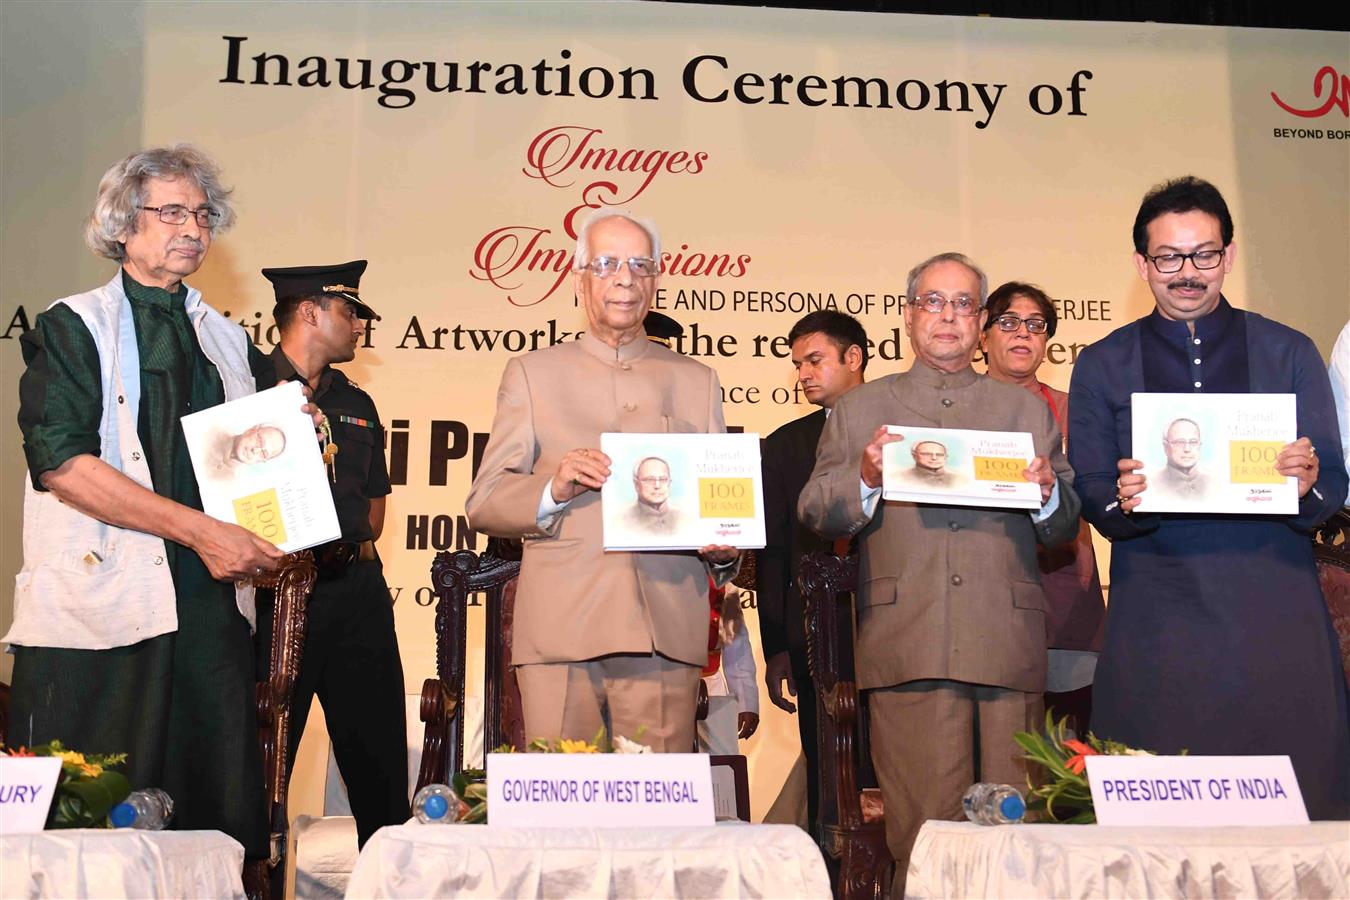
x=1331, y=547
x=854, y=844
x=290, y=588
x=454, y=577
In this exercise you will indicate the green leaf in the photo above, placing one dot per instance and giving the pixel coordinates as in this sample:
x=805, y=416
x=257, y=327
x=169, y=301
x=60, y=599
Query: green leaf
x=97, y=796
x=460, y=782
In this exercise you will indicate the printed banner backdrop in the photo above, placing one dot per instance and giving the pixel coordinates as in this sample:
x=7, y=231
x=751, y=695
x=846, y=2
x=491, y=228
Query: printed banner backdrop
x=793, y=160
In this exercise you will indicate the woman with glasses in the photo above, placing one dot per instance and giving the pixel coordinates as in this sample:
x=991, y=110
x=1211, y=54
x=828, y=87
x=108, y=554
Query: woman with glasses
x=1021, y=320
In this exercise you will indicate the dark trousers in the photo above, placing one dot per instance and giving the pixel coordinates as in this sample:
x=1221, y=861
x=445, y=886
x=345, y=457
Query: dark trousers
x=808, y=709
x=180, y=705
x=352, y=664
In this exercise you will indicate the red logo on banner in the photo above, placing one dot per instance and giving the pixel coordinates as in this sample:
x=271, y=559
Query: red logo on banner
x=1337, y=88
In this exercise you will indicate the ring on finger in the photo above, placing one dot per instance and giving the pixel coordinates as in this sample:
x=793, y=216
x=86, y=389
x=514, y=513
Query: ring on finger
x=576, y=482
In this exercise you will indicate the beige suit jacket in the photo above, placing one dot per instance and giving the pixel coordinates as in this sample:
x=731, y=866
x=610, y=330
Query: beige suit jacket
x=574, y=601
x=945, y=592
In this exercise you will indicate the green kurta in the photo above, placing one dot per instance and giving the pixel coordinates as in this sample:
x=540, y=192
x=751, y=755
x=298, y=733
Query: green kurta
x=181, y=704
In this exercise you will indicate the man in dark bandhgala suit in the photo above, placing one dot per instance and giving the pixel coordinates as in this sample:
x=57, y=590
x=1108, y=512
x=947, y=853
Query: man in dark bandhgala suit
x=1218, y=639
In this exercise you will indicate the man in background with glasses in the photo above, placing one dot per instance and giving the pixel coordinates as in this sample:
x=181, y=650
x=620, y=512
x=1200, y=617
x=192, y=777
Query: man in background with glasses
x=1218, y=639
x=133, y=610
x=951, y=614
x=601, y=639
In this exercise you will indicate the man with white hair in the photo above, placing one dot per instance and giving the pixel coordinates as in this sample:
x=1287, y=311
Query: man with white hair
x=612, y=639
x=133, y=609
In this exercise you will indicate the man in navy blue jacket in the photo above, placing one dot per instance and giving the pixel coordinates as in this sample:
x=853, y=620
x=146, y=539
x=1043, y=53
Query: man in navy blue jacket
x=1218, y=639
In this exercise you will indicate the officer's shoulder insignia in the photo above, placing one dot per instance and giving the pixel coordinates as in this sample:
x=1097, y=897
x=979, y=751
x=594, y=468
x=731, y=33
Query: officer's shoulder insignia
x=354, y=386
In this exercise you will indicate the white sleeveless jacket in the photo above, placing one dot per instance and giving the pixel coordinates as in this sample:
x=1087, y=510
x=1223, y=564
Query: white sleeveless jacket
x=86, y=584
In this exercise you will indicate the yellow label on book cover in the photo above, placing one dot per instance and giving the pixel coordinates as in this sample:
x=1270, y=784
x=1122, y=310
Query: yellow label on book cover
x=998, y=468
x=260, y=513
x=1253, y=462
x=726, y=498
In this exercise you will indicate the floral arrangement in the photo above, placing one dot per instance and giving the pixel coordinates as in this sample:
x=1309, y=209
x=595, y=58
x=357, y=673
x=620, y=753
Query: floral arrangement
x=470, y=785
x=1066, y=796
x=87, y=787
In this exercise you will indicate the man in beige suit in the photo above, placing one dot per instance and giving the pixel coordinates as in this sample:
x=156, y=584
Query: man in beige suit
x=951, y=616
x=613, y=639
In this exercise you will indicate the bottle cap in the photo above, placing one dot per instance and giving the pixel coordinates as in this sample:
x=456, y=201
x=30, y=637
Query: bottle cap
x=435, y=807
x=1012, y=807
x=122, y=815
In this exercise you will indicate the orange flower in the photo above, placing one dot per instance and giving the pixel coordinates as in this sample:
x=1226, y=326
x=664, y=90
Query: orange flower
x=1077, y=763
x=20, y=751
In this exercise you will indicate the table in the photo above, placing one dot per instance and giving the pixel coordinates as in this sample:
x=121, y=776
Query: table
x=724, y=861
x=97, y=863
x=961, y=859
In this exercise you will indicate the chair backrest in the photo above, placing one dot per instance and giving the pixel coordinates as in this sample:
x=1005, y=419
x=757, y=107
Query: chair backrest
x=1331, y=547
x=455, y=576
x=291, y=587
x=827, y=583
x=854, y=844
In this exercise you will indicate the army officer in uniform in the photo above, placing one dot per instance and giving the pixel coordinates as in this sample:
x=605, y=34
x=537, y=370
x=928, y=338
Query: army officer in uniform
x=351, y=656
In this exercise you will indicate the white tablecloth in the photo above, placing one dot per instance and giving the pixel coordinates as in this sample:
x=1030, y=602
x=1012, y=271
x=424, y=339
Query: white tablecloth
x=961, y=859
x=725, y=861
x=120, y=863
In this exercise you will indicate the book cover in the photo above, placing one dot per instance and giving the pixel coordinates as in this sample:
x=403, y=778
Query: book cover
x=682, y=491
x=258, y=465
x=959, y=467
x=1214, y=452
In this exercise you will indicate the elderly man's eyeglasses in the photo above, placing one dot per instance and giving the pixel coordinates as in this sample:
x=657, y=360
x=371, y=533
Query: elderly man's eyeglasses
x=1010, y=323
x=936, y=302
x=173, y=214
x=1184, y=443
x=1168, y=263
x=655, y=480
x=640, y=266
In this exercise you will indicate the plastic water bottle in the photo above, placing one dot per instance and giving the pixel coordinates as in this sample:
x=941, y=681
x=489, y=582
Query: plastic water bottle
x=436, y=804
x=150, y=810
x=993, y=804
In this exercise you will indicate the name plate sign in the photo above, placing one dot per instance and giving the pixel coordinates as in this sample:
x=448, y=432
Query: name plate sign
x=27, y=785
x=599, y=790
x=1195, y=790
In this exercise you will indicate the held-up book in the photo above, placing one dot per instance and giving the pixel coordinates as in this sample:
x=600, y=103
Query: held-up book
x=258, y=465
x=958, y=467
x=682, y=491
x=1214, y=452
